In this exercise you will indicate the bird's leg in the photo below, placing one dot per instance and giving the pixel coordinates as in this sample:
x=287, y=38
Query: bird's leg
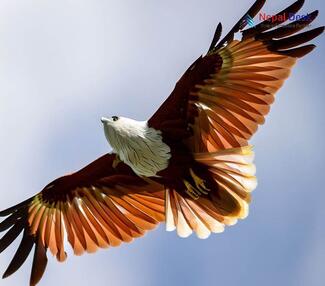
x=195, y=191
x=116, y=161
x=191, y=191
x=199, y=183
x=198, y=188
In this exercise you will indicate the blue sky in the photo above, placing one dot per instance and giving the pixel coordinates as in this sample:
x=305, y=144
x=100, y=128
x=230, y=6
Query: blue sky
x=64, y=64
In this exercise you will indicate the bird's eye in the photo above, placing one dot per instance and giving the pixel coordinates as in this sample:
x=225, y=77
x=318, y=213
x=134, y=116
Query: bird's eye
x=115, y=118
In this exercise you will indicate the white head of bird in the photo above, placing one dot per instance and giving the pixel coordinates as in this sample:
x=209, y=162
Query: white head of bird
x=122, y=126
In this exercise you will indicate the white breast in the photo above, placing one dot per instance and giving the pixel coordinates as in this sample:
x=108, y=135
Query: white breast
x=138, y=146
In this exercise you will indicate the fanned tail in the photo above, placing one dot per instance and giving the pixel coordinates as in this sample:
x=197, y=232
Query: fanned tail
x=233, y=172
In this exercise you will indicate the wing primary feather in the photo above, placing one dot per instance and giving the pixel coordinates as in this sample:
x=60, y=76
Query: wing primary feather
x=295, y=40
x=268, y=24
x=216, y=37
x=10, y=210
x=257, y=6
x=21, y=254
x=11, y=235
x=298, y=52
x=11, y=220
x=288, y=29
x=39, y=263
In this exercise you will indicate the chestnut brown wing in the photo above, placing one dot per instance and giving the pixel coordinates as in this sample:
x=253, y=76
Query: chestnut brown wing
x=97, y=207
x=225, y=95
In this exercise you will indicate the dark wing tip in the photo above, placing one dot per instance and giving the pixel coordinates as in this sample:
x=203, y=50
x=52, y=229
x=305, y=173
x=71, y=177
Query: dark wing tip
x=15, y=229
x=285, y=39
x=216, y=37
x=39, y=264
x=314, y=14
x=21, y=254
x=252, y=12
x=14, y=224
x=321, y=29
x=10, y=210
x=298, y=52
x=288, y=29
x=270, y=23
x=295, y=40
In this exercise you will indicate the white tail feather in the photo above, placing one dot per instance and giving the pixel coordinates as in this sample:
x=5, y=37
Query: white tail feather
x=234, y=172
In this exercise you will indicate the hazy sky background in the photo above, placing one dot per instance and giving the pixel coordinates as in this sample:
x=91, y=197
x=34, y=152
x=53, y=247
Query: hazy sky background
x=64, y=64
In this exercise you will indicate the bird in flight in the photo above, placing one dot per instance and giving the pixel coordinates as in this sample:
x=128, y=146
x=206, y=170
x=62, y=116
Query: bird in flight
x=190, y=165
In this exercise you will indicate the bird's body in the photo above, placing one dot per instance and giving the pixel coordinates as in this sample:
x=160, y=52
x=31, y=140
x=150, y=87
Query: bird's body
x=190, y=165
x=142, y=149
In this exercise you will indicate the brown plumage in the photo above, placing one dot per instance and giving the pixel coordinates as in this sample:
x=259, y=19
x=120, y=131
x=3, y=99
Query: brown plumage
x=206, y=123
x=96, y=207
x=218, y=105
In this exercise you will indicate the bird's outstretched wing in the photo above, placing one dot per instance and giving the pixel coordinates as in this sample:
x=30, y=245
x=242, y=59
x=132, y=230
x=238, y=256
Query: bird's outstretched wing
x=223, y=97
x=96, y=207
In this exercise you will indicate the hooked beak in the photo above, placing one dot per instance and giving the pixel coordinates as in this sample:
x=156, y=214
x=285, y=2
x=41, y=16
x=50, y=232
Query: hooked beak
x=104, y=120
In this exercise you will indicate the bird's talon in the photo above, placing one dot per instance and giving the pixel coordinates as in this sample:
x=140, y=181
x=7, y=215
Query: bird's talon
x=199, y=183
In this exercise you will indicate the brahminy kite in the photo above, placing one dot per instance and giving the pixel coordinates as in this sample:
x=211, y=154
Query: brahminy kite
x=190, y=165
